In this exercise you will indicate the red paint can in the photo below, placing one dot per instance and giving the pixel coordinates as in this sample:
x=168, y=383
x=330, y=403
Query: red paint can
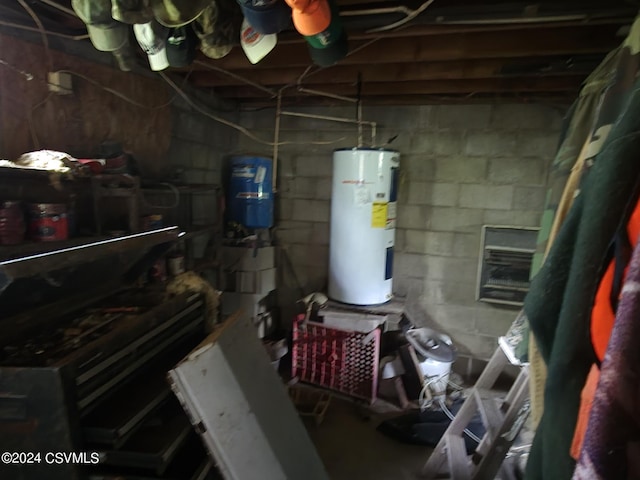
x=48, y=222
x=12, y=224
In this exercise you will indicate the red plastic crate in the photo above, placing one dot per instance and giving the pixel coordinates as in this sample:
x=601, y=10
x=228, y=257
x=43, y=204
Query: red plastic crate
x=340, y=360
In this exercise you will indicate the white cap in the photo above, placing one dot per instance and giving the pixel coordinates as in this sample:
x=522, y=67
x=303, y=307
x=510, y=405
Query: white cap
x=256, y=45
x=108, y=37
x=152, y=37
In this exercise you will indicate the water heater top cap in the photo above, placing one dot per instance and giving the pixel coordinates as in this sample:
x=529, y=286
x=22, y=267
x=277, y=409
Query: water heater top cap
x=366, y=149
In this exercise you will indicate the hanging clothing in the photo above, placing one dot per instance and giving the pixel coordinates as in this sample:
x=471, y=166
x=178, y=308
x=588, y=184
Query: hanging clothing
x=601, y=101
x=562, y=294
x=612, y=442
x=561, y=297
x=603, y=315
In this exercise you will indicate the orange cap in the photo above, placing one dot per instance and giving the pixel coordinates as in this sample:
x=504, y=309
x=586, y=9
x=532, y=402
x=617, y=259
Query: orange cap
x=310, y=17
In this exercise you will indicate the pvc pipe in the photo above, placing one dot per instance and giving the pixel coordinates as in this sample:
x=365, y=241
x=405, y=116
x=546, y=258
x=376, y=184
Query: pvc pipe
x=276, y=140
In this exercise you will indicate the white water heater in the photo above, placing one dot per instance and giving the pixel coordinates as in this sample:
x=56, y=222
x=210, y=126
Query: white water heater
x=363, y=225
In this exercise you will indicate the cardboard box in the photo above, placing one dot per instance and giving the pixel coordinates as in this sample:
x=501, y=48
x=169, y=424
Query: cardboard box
x=251, y=304
x=248, y=259
x=354, y=321
x=262, y=281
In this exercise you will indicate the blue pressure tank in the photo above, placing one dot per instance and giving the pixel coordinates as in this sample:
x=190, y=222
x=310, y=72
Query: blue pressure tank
x=251, y=192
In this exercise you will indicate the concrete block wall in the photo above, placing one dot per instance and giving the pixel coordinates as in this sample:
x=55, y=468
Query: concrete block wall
x=198, y=148
x=461, y=167
x=198, y=143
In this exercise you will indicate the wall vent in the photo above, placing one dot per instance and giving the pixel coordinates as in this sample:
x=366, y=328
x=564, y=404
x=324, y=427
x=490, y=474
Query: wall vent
x=505, y=264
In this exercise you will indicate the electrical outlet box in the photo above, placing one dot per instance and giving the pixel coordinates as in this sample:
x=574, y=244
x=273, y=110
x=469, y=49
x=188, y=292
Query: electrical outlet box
x=60, y=83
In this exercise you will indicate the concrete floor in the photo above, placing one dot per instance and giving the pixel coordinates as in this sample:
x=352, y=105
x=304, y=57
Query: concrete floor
x=352, y=449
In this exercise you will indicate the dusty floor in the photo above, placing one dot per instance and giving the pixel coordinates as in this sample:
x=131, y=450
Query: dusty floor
x=352, y=449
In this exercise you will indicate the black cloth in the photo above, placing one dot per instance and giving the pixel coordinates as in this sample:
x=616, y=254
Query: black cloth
x=427, y=427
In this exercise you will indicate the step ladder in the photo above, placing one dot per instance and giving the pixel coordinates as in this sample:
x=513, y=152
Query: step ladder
x=502, y=418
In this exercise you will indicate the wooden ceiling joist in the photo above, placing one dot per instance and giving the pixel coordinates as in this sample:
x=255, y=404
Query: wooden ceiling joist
x=292, y=102
x=456, y=51
x=449, y=29
x=434, y=87
x=397, y=72
x=543, y=42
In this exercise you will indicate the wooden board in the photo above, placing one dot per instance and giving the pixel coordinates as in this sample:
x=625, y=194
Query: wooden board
x=239, y=405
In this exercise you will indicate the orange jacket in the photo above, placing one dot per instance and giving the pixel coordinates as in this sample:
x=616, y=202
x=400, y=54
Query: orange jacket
x=602, y=314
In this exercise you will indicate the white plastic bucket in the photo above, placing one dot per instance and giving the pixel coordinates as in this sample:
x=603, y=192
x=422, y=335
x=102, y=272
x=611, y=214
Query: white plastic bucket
x=436, y=374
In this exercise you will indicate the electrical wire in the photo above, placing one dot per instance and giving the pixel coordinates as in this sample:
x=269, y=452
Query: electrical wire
x=448, y=413
x=32, y=128
x=424, y=403
x=48, y=32
x=425, y=392
x=115, y=92
x=201, y=110
x=43, y=32
x=405, y=20
x=303, y=74
x=177, y=89
x=59, y=7
x=235, y=76
x=235, y=126
x=362, y=47
x=28, y=76
x=45, y=41
x=313, y=69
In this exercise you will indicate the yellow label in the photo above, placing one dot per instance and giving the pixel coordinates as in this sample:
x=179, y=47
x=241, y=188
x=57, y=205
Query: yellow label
x=378, y=215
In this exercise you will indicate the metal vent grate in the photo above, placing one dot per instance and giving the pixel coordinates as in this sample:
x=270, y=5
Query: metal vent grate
x=505, y=264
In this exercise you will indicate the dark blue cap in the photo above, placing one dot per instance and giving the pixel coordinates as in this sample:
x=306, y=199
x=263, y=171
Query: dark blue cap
x=267, y=16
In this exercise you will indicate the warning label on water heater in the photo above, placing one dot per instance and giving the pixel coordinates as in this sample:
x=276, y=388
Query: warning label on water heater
x=378, y=215
x=391, y=216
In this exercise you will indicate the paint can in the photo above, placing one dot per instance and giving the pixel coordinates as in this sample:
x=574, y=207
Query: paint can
x=12, y=225
x=175, y=264
x=48, y=222
x=158, y=272
x=152, y=222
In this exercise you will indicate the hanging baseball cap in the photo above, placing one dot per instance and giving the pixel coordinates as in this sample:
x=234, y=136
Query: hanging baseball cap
x=182, y=44
x=218, y=28
x=266, y=16
x=131, y=11
x=331, y=45
x=106, y=34
x=177, y=13
x=310, y=17
x=152, y=38
x=332, y=53
x=256, y=45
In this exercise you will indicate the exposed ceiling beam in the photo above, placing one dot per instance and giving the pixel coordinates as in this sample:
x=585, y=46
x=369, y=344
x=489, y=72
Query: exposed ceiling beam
x=562, y=99
x=435, y=87
x=402, y=72
x=543, y=42
x=425, y=30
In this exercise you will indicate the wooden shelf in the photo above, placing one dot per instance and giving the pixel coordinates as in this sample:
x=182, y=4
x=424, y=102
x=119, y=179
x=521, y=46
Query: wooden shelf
x=34, y=258
x=197, y=230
